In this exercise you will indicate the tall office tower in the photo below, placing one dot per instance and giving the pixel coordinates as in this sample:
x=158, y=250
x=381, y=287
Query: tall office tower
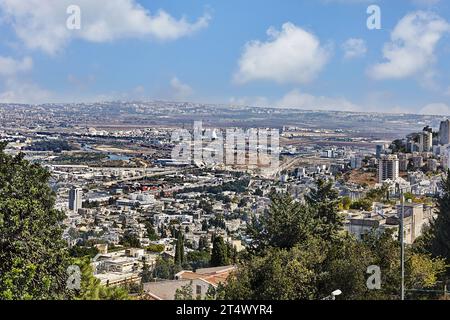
x=444, y=132
x=388, y=168
x=379, y=150
x=75, y=199
x=426, y=140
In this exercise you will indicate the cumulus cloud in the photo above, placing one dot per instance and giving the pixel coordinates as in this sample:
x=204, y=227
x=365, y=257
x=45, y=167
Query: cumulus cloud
x=258, y=101
x=10, y=66
x=23, y=92
x=436, y=109
x=426, y=2
x=180, y=90
x=291, y=55
x=412, y=46
x=14, y=89
x=354, y=48
x=41, y=24
x=298, y=100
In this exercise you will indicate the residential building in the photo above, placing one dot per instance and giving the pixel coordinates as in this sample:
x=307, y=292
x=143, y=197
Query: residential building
x=388, y=168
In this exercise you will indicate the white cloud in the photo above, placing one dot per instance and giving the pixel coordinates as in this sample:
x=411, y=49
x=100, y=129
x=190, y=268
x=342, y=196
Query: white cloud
x=291, y=55
x=180, y=90
x=412, y=46
x=10, y=66
x=354, y=48
x=426, y=2
x=296, y=99
x=23, y=92
x=258, y=101
x=15, y=89
x=436, y=109
x=447, y=91
x=41, y=24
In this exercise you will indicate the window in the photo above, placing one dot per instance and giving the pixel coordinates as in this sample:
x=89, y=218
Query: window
x=199, y=289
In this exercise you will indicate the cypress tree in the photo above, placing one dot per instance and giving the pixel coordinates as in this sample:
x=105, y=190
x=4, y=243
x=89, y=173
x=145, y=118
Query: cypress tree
x=179, y=249
x=219, y=256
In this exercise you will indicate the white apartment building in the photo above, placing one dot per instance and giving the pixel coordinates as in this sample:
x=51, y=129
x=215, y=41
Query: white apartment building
x=388, y=168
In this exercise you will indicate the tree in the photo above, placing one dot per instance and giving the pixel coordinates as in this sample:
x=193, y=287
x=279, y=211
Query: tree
x=185, y=292
x=179, y=249
x=205, y=225
x=165, y=268
x=324, y=199
x=211, y=293
x=259, y=192
x=198, y=259
x=91, y=289
x=151, y=233
x=346, y=202
x=440, y=227
x=362, y=204
x=34, y=257
x=130, y=240
x=279, y=274
x=232, y=253
x=203, y=244
x=146, y=274
x=286, y=223
x=158, y=248
x=219, y=256
x=313, y=266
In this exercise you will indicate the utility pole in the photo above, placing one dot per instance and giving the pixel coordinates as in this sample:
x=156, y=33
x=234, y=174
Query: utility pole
x=402, y=244
x=402, y=240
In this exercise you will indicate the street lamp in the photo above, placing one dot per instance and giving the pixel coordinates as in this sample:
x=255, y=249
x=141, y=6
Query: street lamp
x=333, y=295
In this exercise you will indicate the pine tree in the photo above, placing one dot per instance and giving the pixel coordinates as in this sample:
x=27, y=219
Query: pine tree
x=33, y=256
x=440, y=227
x=324, y=199
x=219, y=256
x=287, y=223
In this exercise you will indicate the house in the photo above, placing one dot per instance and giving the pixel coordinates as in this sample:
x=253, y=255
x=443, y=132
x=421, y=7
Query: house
x=166, y=290
x=200, y=281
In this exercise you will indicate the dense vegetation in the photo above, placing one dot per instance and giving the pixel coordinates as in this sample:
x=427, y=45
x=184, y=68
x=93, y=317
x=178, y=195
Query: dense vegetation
x=51, y=145
x=300, y=251
x=34, y=257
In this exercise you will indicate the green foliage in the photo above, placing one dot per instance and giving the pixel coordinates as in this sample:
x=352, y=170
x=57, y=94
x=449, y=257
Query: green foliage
x=82, y=251
x=288, y=222
x=288, y=267
x=362, y=204
x=146, y=274
x=439, y=233
x=179, y=250
x=198, y=259
x=130, y=240
x=185, y=292
x=33, y=256
x=219, y=256
x=203, y=244
x=151, y=233
x=324, y=200
x=51, y=145
x=165, y=268
x=157, y=248
x=346, y=202
x=91, y=289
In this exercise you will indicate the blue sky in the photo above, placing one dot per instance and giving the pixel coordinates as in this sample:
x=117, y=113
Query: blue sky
x=311, y=54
